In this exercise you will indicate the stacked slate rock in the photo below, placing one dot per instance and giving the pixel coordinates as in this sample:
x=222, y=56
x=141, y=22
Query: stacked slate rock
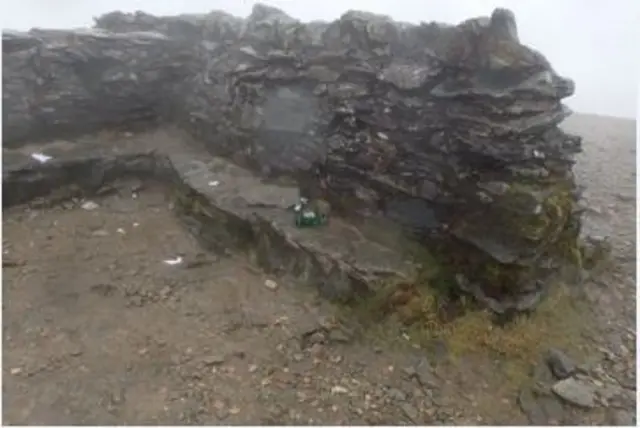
x=450, y=131
x=57, y=82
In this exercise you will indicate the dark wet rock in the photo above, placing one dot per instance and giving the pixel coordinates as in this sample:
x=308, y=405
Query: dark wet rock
x=560, y=364
x=540, y=409
x=423, y=373
x=576, y=392
x=449, y=131
x=410, y=412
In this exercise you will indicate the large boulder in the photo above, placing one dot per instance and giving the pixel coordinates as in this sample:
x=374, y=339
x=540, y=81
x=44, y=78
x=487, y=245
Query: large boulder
x=449, y=131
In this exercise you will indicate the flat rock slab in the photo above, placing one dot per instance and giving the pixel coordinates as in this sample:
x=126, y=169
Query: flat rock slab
x=575, y=392
x=225, y=206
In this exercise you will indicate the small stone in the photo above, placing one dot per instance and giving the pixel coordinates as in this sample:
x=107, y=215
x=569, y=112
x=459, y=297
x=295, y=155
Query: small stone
x=214, y=360
x=117, y=396
x=575, y=392
x=560, y=364
x=222, y=413
x=396, y=394
x=409, y=372
x=339, y=390
x=317, y=338
x=339, y=336
x=234, y=410
x=410, y=411
x=327, y=322
x=424, y=374
x=253, y=368
x=271, y=284
x=336, y=359
x=16, y=371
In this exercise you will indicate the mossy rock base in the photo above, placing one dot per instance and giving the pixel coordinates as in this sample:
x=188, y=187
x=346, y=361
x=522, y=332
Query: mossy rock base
x=455, y=329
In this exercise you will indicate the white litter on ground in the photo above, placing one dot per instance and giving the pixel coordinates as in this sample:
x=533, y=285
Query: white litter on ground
x=175, y=261
x=41, y=157
x=121, y=230
x=271, y=284
x=214, y=183
x=339, y=389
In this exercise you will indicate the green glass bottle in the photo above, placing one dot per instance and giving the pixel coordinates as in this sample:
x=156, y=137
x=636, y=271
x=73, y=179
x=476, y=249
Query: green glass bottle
x=305, y=216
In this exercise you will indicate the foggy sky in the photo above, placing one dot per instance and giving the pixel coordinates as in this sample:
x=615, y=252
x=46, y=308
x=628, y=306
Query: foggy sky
x=595, y=42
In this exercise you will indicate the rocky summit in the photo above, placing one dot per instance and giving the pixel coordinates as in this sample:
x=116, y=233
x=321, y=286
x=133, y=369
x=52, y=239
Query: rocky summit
x=450, y=132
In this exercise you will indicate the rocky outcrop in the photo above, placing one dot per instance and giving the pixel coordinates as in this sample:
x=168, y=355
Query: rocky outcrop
x=449, y=131
x=57, y=82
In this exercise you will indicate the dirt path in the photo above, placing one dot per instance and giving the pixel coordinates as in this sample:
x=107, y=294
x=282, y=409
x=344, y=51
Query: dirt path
x=98, y=329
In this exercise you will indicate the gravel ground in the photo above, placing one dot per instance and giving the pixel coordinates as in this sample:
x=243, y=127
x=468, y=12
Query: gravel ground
x=98, y=329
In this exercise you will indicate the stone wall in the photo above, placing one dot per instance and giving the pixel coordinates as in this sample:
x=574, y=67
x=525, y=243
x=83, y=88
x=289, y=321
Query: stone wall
x=450, y=131
x=69, y=82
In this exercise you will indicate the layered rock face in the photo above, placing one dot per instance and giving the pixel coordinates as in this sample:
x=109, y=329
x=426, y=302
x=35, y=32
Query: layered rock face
x=449, y=131
x=58, y=82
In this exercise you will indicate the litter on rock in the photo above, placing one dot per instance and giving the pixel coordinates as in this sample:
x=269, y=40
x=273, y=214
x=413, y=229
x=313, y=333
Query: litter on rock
x=41, y=157
x=175, y=261
x=89, y=205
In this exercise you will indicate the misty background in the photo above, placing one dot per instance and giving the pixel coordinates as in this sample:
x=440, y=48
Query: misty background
x=596, y=43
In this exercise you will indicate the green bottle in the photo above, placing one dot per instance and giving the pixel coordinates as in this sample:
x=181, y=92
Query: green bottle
x=306, y=216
